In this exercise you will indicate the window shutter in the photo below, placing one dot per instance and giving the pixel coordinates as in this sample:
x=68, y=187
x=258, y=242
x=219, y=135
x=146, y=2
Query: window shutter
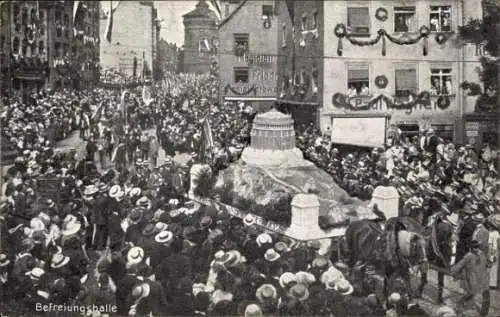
x=357, y=74
x=358, y=17
x=406, y=79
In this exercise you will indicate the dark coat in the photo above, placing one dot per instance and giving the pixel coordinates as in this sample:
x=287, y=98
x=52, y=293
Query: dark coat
x=123, y=289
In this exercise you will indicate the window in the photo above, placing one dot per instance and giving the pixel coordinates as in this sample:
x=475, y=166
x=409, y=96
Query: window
x=358, y=81
x=42, y=31
x=440, y=19
x=41, y=47
x=315, y=20
x=441, y=81
x=303, y=22
x=358, y=20
x=203, y=46
x=267, y=12
x=15, y=45
x=58, y=16
x=283, y=36
x=226, y=10
x=33, y=15
x=24, y=18
x=25, y=47
x=57, y=49
x=406, y=82
x=241, y=74
x=404, y=19
x=41, y=15
x=444, y=131
x=241, y=41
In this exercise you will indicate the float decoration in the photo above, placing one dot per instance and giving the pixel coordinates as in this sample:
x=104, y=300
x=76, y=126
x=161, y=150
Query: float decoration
x=341, y=32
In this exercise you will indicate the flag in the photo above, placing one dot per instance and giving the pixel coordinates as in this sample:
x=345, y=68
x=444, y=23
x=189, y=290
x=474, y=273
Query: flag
x=216, y=6
x=207, y=45
x=122, y=106
x=109, y=24
x=207, y=141
x=76, y=5
x=147, y=95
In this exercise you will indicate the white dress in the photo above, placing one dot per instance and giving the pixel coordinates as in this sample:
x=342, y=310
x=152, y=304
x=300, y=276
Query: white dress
x=493, y=240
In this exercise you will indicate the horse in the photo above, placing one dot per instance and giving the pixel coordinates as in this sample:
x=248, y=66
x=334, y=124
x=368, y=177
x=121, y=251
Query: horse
x=441, y=246
x=391, y=251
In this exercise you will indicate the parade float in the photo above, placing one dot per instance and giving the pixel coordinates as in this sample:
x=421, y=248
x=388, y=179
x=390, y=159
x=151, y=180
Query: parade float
x=273, y=186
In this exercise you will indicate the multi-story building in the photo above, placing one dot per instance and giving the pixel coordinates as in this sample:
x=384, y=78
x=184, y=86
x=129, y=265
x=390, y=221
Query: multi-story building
x=85, y=45
x=200, y=39
x=24, y=42
x=248, y=53
x=134, y=36
x=480, y=124
x=43, y=46
x=395, y=60
x=300, y=61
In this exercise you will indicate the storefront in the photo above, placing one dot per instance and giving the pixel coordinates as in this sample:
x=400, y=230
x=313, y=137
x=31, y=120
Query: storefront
x=481, y=128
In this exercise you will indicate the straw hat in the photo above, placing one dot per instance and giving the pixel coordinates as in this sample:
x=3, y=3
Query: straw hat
x=164, y=236
x=198, y=288
x=135, y=216
x=305, y=278
x=71, y=228
x=494, y=220
x=263, y=238
x=319, y=262
x=149, y=230
x=287, y=278
x=394, y=298
x=453, y=218
x=249, y=220
x=253, y=310
x=344, y=287
x=135, y=255
x=143, y=202
x=266, y=292
x=36, y=273
x=115, y=191
x=37, y=224
x=4, y=260
x=479, y=217
x=299, y=292
x=161, y=226
x=59, y=260
x=271, y=255
x=90, y=190
x=136, y=191
x=206, y=221
x=281, y=247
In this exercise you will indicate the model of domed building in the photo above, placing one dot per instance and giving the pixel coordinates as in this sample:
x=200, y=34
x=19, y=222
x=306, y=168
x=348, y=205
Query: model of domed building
x=273, y=142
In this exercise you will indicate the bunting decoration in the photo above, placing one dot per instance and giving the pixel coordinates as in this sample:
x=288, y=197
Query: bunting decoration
x=340, y=100
x=341, y=32
x=216, y=5
x=236, y=92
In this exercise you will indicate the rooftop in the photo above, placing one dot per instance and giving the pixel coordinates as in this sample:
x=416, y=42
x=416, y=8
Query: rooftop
x=202, y=11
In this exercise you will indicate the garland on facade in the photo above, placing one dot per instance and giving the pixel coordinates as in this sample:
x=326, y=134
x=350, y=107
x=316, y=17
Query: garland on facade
x=236, y=92
x=340, y=100
x=341, y=32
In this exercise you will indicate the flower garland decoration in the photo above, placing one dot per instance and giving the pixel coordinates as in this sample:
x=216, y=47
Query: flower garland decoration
x=340, y=100
x=441, y=38
x=381, y=81
x=236, y=92
x=443, y=102
x=381, y=14
x=341, y=32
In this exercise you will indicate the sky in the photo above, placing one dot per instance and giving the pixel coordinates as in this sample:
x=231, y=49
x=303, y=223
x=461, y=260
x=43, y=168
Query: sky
x=171, y=11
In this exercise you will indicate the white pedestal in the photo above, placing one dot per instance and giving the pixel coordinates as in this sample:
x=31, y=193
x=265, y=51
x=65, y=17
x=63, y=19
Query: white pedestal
x=387, y=199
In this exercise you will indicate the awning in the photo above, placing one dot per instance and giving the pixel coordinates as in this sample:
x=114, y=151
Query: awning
x=243, y=98
x=298, y=103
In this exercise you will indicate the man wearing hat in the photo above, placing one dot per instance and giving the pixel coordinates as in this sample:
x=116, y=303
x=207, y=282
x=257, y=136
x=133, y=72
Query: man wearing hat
x=494, y=239
x=475, y=277
x=100, y=217
x=481, y=234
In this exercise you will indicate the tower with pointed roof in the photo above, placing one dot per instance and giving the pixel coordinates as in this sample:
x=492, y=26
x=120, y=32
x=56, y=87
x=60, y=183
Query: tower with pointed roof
x=200, y=39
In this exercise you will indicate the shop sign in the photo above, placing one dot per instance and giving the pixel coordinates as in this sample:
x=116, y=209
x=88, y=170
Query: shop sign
x=472, y=133
x=257, y=59
x=473, y=125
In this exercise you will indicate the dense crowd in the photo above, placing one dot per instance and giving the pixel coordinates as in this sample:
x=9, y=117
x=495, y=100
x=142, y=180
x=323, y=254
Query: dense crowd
x=126, y=235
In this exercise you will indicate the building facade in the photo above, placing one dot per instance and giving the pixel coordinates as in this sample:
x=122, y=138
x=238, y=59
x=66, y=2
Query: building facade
x=44, y=47
x=248, y=53
x=398, y=59
x=134, y=36
x=300, y=60
x=200, y=39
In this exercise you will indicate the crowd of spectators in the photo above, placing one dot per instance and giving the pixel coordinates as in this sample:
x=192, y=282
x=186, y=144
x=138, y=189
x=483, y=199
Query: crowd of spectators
x=129, y=237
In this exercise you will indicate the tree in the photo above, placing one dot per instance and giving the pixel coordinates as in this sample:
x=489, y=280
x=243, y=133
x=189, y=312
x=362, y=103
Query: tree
x=484, y=33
